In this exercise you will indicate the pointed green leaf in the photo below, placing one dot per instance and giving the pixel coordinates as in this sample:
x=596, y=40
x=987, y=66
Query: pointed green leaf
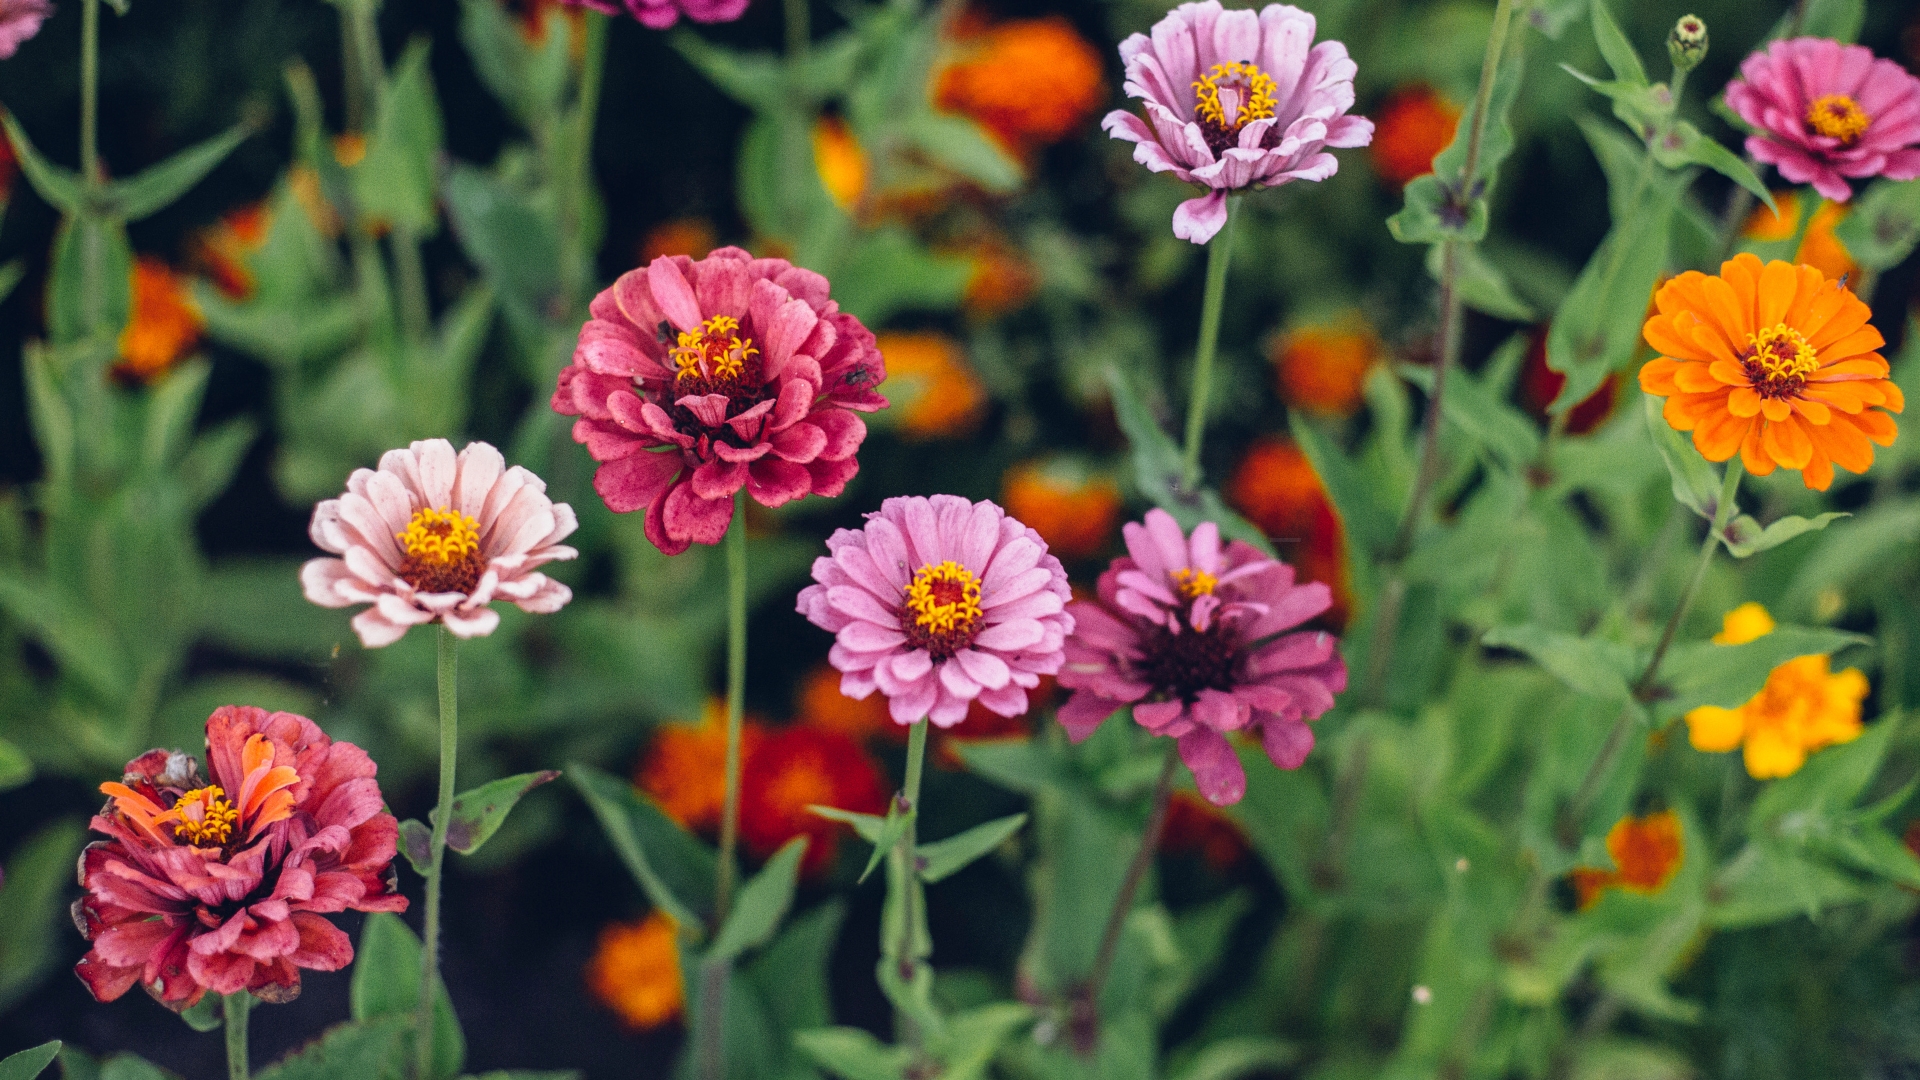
x=959, y=144
x=479, y=813
x=891, y=830
x=853, y=1054
x=1619, y=52
x=397, y=181
x=374, y=1048
x=61, y=189
x=1369, y=523
x=416, y=843
x=756, y=80
x=1240, y=1056
x=386, y=982
x=1481, y=285
x=944, y=858
x=89, y=249
x=870, y=827
x=1157, y=470
x=11, y=273
x=29, y=1063
x=1685, y=144
x=673, y=867
x=1703, y=673
x=762, y=903
x=1828, y=785
x=1694, y=484
x=1744, y=536
x=156, y=188
x=207, y=1015
x=33, y=907
x=1588, y=665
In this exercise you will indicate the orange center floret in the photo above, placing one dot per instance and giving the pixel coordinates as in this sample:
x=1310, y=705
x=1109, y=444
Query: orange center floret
x=716, y=353
x=1229, y=97
x=206, y=818
x=1778, y=361
x=1837, y=116
x=944, y=602
x=442, y=551
x=1194, y=583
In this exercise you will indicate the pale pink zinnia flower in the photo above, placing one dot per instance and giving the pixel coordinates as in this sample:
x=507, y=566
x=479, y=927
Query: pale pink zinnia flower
x=938, y=602
x=1193, y=637
x=221, y=881
x=661, y=14
x=1827, y=111
x=696, y=378
x=1236, y=100
x=20, y=20
x=432, y=536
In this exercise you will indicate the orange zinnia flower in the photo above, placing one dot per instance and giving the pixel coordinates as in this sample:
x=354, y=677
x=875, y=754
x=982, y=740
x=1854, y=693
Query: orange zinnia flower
x=1647, y=852
x=692, y=237
x=635, y=970
x=1276, y=488
x=685, y=767
x=1324, y=368
x=799, y=767
x=1073, y=510
x=1028, y=81
x=1775, y=363
x=934, y=393
x=224, y=250
x=1819, y=248
x=841, y=162
x=164, y=324
x=820, y=703
x=1414, y=123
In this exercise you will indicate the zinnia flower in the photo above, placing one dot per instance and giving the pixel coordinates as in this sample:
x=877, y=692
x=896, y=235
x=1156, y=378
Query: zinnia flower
x=684, y=768
x=1196, y=825
x=1748, y=622
x=221, y=882
x=1275, y=487
x=940, y=396
x=1194, y=638
x=661, y=14
x=1236, y=100
x=841, y=162
x=939, y=602
x=430, y=536
x=225, y=251
x=1072, y=510
x=163, y=325
x=1324, y=368
x=819, y=702
x=1540, y=387
x=1775, y=363
x=695, y=379
x=1820, y=248
x=1415, y=124
x=635, y=971
x=20, y=20
x=1028, y=81
x=1803, y=707
x=689, y=236
x=798, y=767
x=1647, y=852
x=1826, y=111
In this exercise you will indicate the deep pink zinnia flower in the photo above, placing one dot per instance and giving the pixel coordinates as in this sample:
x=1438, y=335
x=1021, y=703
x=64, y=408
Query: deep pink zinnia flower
x=1827, y=111
x=20, y=20
x=661, y=14
x=433, y=536
x=1193, y=638
x=936, y=602
x=696, y=378
x=1236, y=100
x=222, y=882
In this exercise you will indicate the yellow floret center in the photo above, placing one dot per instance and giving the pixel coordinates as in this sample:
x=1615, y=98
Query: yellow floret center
x=944, y=599
x=1781, y=352
x=714, y=352
x=1838, y=116
x=440, y=537
x=204, y=817
x=1194, y=583
x=1231, y=95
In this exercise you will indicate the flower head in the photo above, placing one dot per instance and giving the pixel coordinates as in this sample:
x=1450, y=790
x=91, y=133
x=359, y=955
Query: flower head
x=1748, y=622
x=1825, y=112
x=163, y=325
x=1194, y=638
x=1323, y=368
x=841, y=162
x=798, y=767
x=1540, y=387
x=224, y=252
x=819, y=702
x=1028, y=81
x=20, y=20
x=1820, y=248
x=220, y=881
x=937, y=603
x=635, y=971
x=1415, y=124
x=1236, y=100
x=661, y=14
x=1198, y=826
x=1775, y=363
x=1073, y=511
x=1803, y=707
x=1276, y=488
x=940, y=396
x=1647, y=853
x=684, y=768
x=433, y=536
x=695, y=379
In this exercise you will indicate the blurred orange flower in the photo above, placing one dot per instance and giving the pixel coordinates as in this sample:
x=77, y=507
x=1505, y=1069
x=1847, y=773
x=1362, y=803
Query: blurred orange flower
x=685, y=767
x=841, y=161
x=1196, y=825
x=1803, y=707
x=692, y=237
x=224, y=251
x=819, y=702
x=1275, y=487
x=1819, y=248
x=1001, y=280
x=1323, y=368
x=1412, y=125
x=793, y=768
x=1540, y=386
x=1647, y=852
x=1028, y=81
x=934, y=393
x=635, y=971
x=164, y=324
x=537, y=16
x=1073, y=510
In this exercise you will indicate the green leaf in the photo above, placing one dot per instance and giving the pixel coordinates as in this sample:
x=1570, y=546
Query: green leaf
x=29, y=1063
x=416, y=843
x=1884, y=226
x=870, y=827
x=1506, y=434
x=10, y=274
x=133, y=1067
x=526, y=1074
x=84, y=646
x=854, y=1054
x=515, y=244
x=1702, y=673
x=1770, y=881
x=61, y=189
x=1157, y=470
x=82, y=242
x=205, y=1016
x=479, y=813
x=1840, y=20
x=1615, y=47
x=33, y=908
x=763, y=901
x=1694, y=484
x=16, y=768
x=1828, y=785
x=156, y=188
x=1481, y=284
x=362, y=1049
x=892, y=828
x=756, y=80
x=1446, y=204
x=1238, y=1056
x=1875, y=851
x=1369, y=523
x=960, y=145
x=1744, y=536
x=1588, y=665
x=972, y=1038
x=1683, y=144
x=674, y=868
x=386, y=983
x=210, y=463
x=397, y=181
x=944, y=858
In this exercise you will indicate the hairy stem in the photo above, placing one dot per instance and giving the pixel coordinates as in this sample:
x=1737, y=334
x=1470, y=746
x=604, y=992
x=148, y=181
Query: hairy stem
x=1219, y=252
x=235, y=1008
x=448, y=671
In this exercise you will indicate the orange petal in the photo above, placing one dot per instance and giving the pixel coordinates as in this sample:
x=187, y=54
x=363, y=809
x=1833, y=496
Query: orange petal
x=1818, y=474
x=1709, y=337
x=1777, y=287
x=1812, y=411
x=1743, y=401
x=1656, y=376
x=1859, y=343
x=1726, y=311
x=1876, y=425
x=1896, y=400
x=1753, y=452
x=1775, y=409
x=1718, y=435
x=1679, y=294
x=1700, y=378
x=1845, y=444
x=1859, y=367
x=1851, y=315
x=1810, y=289
x=1787, y=443
x=1662, y=333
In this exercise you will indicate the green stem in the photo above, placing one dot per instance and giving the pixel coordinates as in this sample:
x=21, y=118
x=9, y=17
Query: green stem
x=576, y=183
x=799, y=31
x=416, y=312
x=90, y=92
x=905, y=862
x=1219, y=252
x=1810, y=206
x=1136, y=874
x=736, y=704
x=235, y=1007
x=447, y=671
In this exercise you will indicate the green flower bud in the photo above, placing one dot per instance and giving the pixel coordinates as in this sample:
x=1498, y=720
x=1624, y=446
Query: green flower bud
x=1688, y=43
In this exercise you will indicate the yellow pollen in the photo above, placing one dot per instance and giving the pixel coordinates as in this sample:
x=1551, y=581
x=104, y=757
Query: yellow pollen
x=1254, y=86
x=440, y=537
x=1837, y=116
x=944, y=598
x=1194, y=583
x=203, y=817
x=1783, y=353
x=715, y=351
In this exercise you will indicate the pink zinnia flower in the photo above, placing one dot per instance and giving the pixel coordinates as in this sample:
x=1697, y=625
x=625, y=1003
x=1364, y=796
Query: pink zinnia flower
x=432, y=536
x=222, y=882
x=1193, y=638
x=696, y=378
x=1827, y=111
x=20, y=20
x=660, y=14
x=938, y=602
x=1236, y=100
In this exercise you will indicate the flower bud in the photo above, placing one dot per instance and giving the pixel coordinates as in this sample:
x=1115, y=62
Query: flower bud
x=1687, y=44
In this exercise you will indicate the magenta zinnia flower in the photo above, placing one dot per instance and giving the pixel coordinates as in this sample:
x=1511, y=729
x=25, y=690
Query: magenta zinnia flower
x=20, y=20
x=660, y=14
x=1236, y=100
x=697, y=378
x=221, y=882
x=432, y=536
x=1827, y=111
x=1193, y=638
x=938, y=602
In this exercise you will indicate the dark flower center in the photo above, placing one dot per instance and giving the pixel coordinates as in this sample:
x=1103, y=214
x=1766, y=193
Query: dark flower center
x=1181, y=665
x=1777, y=362
x=943, y=603
x=442, y=552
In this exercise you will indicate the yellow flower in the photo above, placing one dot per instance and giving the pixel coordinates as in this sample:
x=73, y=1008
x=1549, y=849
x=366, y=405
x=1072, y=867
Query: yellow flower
x=1803, y=708
x=1748, y=622
x=636, y=971
x=841, y=161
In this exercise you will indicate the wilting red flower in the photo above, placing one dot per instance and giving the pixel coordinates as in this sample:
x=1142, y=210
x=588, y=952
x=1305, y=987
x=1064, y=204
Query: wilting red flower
x=163, y=325
x=1072, y=510
x=222, y=882
x=1028, y=81
x=1414, y=124
x=1276, y=488
x=1540, y=386
x=794, y=768
x=695, y=379
x=635, y=971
